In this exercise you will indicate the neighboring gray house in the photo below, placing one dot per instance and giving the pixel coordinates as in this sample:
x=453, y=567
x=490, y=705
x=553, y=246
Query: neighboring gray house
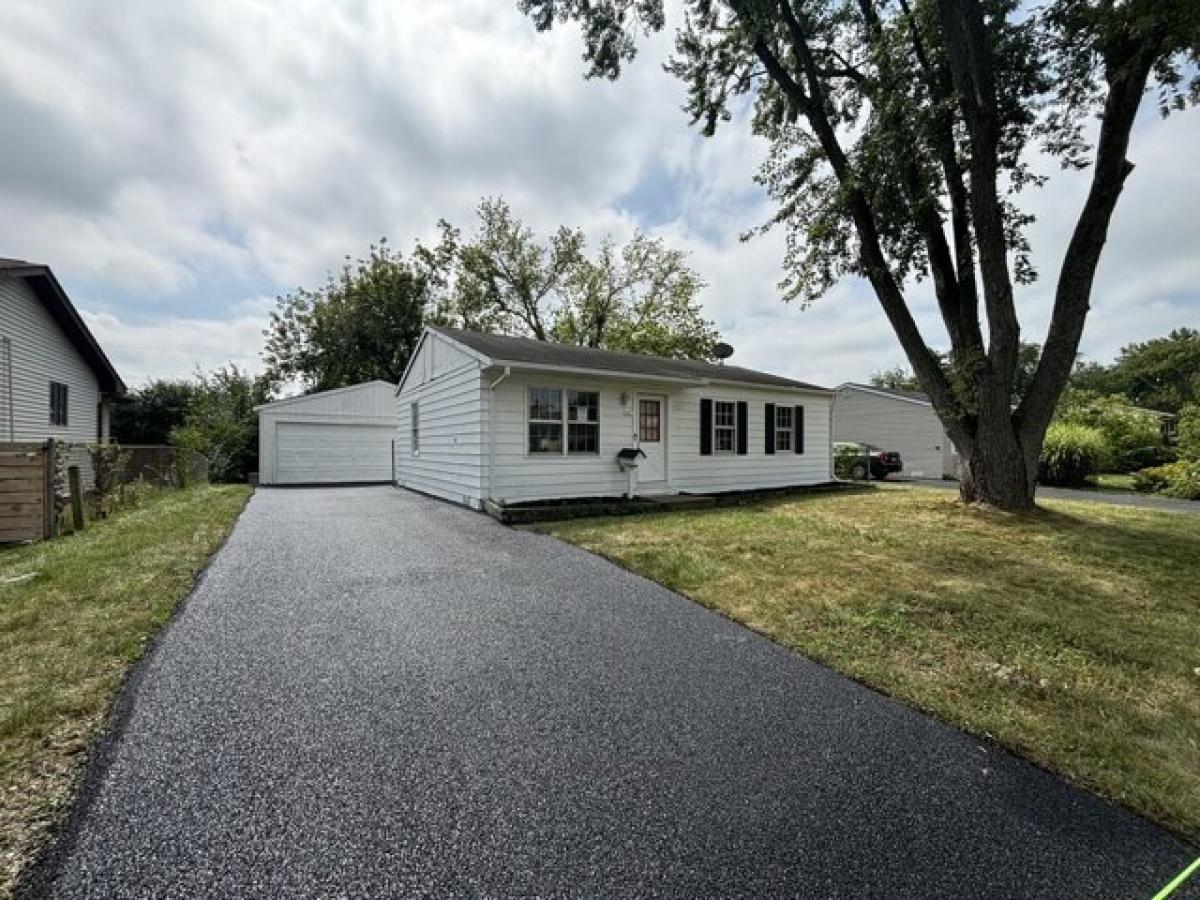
x=489, y=417
x=891, y=419
x=55, y=381
x=339, y=436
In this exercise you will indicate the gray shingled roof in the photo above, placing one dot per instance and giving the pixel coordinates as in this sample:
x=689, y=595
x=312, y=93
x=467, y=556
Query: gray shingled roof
x=503, y=348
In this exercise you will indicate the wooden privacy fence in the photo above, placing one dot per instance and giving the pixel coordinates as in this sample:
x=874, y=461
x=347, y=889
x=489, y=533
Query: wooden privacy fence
x=26, y=503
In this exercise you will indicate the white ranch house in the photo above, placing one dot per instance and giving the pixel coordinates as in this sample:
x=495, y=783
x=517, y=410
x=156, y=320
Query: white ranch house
x=489, y=417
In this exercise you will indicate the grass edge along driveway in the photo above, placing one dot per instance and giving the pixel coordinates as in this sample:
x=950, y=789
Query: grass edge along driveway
x=1067, y=635
x=68, y=635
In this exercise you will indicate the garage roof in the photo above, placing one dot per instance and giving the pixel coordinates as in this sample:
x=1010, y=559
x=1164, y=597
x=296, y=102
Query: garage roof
x=320, y=395
x=503, y=349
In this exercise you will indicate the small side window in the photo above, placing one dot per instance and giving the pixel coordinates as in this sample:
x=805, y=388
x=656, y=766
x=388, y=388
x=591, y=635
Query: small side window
x=415, y=427
x=58, y=403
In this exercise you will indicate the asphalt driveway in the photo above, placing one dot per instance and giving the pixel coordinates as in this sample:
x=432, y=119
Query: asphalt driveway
x=376, y=694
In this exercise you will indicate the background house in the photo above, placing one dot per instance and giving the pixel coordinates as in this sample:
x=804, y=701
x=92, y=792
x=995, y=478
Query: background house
x=509, y=419
x=891, y=419
x=55, y=381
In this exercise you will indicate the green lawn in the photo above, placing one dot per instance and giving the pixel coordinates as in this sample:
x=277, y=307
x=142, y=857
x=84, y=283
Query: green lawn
x=68, y=635
x=1111, y=484
x=1069, y=634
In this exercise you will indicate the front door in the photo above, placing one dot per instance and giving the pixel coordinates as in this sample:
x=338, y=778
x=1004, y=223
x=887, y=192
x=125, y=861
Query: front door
x=652, y=438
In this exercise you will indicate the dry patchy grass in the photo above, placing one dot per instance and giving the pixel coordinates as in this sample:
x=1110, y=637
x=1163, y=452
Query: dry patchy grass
x=68, y=634
x=1068, y=635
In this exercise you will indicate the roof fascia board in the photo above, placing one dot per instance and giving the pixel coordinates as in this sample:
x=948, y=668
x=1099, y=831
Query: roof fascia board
x=877, y=393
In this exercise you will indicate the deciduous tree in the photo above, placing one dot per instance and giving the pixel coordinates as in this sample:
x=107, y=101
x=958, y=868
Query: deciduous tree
x=902, y=134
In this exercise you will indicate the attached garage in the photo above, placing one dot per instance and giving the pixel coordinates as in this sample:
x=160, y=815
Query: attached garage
x=340, y=436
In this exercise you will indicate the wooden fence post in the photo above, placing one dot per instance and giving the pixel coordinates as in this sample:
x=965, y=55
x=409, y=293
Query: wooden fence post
x=49, y=519
x=76, y=497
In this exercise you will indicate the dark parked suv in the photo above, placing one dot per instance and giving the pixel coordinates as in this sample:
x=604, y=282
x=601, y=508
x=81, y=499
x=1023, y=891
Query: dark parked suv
x=856, y=461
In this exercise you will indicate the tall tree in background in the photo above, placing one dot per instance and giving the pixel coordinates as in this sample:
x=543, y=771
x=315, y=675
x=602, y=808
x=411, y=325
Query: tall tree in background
x=901, y=139
x=639, y=297
x=1163, y=373
x=221, y=423
x=147, y=415
x=362, y=325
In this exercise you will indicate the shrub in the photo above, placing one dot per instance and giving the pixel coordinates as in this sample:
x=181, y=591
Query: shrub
x=1189, y=431
x=1178, y=479
x=1145, y=458
x=1070, y=454
x=844, y=457
x=1126, y=429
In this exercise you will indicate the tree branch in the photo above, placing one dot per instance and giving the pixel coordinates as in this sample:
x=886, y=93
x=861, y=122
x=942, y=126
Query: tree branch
x=1127, y=83
x=972, y=73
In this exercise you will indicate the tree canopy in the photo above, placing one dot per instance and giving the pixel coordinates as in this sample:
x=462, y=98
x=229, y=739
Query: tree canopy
x=640, y=296
x=148, y=414
x=1162, y=374
x=362, y=325
x=903, y=135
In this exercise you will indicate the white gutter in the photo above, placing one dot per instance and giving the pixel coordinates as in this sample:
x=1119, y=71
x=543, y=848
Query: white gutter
x=698, y=380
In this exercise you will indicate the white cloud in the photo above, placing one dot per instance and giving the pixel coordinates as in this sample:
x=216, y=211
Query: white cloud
x=173, y=347
x=181, y=157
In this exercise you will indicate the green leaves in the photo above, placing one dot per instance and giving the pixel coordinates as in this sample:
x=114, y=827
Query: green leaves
x=639, y=297
x=362, y=325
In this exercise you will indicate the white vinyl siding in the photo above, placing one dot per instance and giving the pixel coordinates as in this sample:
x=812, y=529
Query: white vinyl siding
x=910, y=428
x=42, y=354
x=692, y=473
x=343, y=435
x=446, y=387
x=38, y=353
x=519, y=476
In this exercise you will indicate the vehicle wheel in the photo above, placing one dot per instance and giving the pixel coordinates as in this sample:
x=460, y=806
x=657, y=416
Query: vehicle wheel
x=879, y=476
x=858, y=471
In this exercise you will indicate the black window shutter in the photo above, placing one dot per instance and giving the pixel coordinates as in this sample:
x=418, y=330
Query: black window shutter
x=706, y=427
x=798, y=443
x=743, y=422
x=770, y=422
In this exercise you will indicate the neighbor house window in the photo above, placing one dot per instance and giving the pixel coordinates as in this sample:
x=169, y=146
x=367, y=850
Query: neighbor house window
x=415, y=427
x=553, y=412
x=783, y=427
x=58, y=403
x=724, y=427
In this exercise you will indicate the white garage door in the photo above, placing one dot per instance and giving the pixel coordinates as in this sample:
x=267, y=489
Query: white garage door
x=311, y=453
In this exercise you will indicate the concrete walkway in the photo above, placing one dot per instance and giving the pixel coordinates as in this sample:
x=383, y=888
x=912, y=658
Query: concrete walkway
x=375, y=694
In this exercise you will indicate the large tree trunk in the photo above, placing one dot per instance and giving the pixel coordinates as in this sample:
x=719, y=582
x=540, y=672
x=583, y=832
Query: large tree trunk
x=997, y=470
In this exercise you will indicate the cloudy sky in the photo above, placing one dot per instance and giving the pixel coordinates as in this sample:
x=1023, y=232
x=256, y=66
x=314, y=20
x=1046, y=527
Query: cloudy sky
x=180, y=164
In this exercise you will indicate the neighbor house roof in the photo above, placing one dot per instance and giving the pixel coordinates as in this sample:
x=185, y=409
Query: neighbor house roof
x=897, y=393
x=504, y=350
x=58, y=304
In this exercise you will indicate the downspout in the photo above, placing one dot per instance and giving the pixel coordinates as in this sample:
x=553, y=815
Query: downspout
x=829, y=443
x=491, y=437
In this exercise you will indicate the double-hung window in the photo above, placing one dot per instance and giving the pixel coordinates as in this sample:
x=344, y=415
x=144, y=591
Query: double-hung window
x=784, y=428
x=724, y=426
x=555, y=414
x=58, y=403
